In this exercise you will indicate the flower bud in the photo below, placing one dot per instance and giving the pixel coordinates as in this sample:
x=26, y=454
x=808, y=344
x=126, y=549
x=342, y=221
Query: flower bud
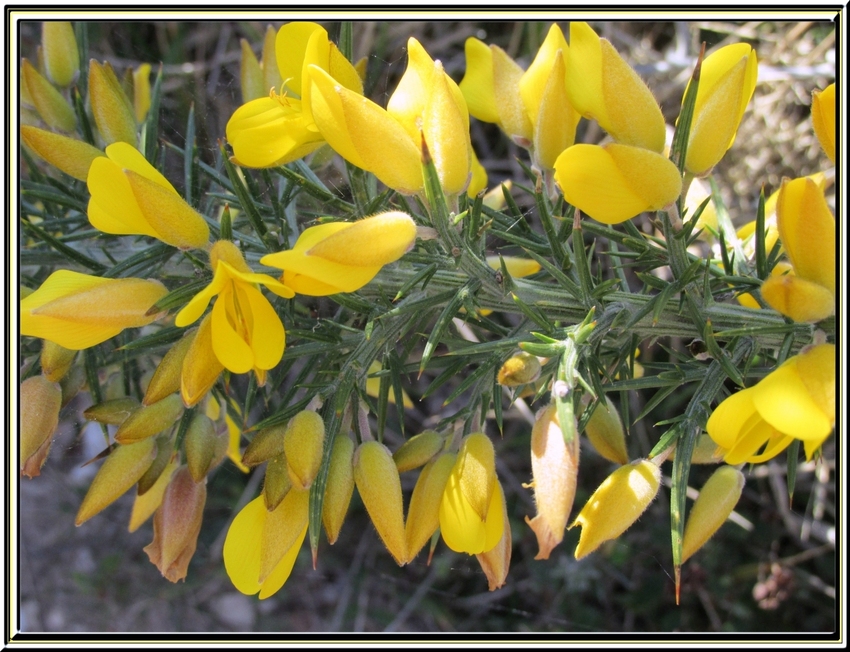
x=71, y=156
x=72, y=383
x=706, y=451
x=201, y=368
x=379, y=485
x=166, y=378
x=471, y=510
x=176, y=525
x=265, y=445
x=142, y=91
x=418, y=450
x=339, y=488
x=51, y=106
x=715, y=502
x=150, y=420
x=147, y=503
x=284, y=524
x=164, y=455
x=303, y=442
x=496, y=561
x=121, y=470
x=516, y=266
x=61, y=57
x=40, y=400
x=113, y=412
x=605, y=432
x=201, y=446
x=276, y=484
x=55, y=361
x=616, y=504
x=251, y=75
x=423, y=515
x=112, y=110
x=823, y=119
x=554, y=466
x=518, y=370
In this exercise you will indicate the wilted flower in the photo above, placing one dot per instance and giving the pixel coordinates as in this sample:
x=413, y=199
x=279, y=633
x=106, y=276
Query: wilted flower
x=343, y=256
x=77, y=311
x=795, y=401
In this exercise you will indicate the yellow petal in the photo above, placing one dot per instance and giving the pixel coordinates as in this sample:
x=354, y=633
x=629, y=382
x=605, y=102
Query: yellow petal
x=423, y=515
x=823, y=119
x=807, y=229
x=478, y=182
x=242, y=547
x=477, y=83
x=147, y=503
x=556, y=120
x=411, y=96
x=229, y=347
x=517, y=267
x=268, y=338
x=142, y=91
x=534, y=80
x=72, y=156
x=282, y=530
x=817, y=369
x=445, y=127
x=376, y=240
x=290, y=48
x=513, y=118
x=476, y=470
x=275, y=581
x=365, y=134
x=461, y=527
x=201, y=367
x=797, y=298
x=128, y=157
x=616, y=182
x=783, y=400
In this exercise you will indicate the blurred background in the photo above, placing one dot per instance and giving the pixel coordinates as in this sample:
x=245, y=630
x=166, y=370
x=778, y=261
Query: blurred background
x=773, y=570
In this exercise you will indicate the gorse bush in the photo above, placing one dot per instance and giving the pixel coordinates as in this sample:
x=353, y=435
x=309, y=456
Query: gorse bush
x=342, y=259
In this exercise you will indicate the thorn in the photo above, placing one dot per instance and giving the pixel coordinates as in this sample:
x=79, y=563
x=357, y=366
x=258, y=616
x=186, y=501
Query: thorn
x=678, y=570
x=316, y=558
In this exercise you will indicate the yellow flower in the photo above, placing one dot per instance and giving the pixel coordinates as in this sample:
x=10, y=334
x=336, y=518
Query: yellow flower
x=603, y=87
x=823, y=119
x=261, y=546
x=531, y=107
x=280, y=128
x=61, y=57
x=72, y=156
x=807, y=229
x=616, y=182
x=142, y=91
x=727, y=81
x=199, y=368
x=245, y=329
x=130, y=197
x=112, y=110
x=343, y=256
x=796, y=401
x=616, y=504
x=78, y=311
x=471, y=510
x=388, y=143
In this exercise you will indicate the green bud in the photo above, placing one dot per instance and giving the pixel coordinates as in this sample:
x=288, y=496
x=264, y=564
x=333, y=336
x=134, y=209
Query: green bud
x=150, y=420
x=200, y=444
x=164, y=454
x=113, y=412
x=605, y=432
x=166, y=378
x=712, y=507
x=339, y=488
x=56, y=361
x=520, y=369
x=277, y=483
x=418, y=450
x=265, y=445
x=303, y=442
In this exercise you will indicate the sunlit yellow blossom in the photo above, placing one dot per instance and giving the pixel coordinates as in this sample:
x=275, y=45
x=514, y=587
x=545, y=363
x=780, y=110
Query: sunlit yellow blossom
x=603, y=87
x=279, y=128
x=426, y=104
x=51, y=106
x=130, y=197
x=72, y=156
x=471, y=510
x=78, y=311
x=796, y=401
x=616, y=182
x=807, y=229
x=727, y=81
x=616, y=504
x=261, y=546
x=343, y=256
x=823, y=119
x=246, y=331
x=113, y=112
x=61, y=56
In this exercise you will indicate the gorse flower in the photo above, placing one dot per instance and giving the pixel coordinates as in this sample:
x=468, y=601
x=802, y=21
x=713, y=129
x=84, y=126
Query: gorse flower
x=61, y=56
x=807, y=230
x=471, y=510
x=113, y=112
x=823, y=119
x=246, y=331
x=130, y=197
x=613, y=183
x=77, y=311
x=280, y=128
x=795, y=401
x=74, y=157
x=343, y=256
x=727, y=81
x=603, y=87
x=427, y=105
